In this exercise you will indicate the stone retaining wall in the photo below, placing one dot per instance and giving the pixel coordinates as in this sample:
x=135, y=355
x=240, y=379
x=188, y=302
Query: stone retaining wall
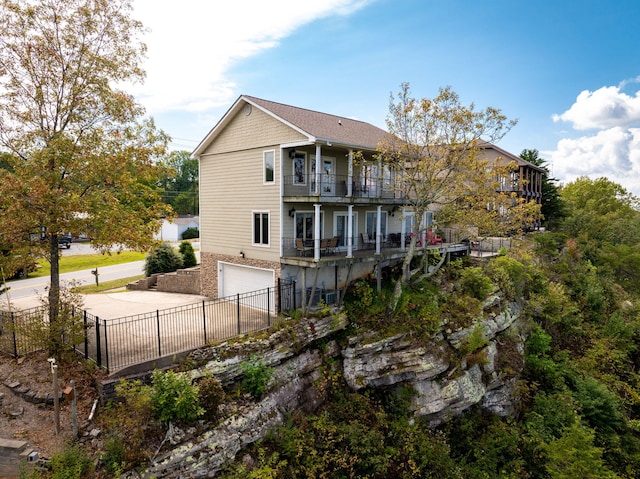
x=12, y=453
x=185, y=281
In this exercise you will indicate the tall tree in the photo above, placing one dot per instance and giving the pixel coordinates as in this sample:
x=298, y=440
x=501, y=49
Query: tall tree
x=181, y=187
x=433, y=148
x=83, y=158
x=552, y=208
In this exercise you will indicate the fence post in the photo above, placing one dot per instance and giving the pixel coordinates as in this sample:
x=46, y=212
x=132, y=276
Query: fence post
x=86, y=334
x=106, y=342
x=158, y=325
x=204, y=321
x=13, y=334
x=269, y=307
x=238, y=308
x=98, y=345
x=279, y=295
x=292, y=291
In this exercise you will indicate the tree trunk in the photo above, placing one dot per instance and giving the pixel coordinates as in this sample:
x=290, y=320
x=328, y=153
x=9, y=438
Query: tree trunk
x=404, y=277
x=55, y=341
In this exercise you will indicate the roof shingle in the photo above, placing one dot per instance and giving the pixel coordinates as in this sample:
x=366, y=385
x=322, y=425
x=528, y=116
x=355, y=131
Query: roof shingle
x=323, y=126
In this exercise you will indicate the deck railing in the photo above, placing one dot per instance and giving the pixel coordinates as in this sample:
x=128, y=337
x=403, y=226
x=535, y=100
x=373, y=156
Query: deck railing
x=330, y=185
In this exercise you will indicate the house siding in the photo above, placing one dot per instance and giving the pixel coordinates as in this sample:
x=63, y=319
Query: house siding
x=232, y=169
x=235, y=191
x=257, y=130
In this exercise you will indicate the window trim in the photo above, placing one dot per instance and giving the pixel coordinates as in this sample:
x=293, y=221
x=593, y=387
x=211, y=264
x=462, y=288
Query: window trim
x=384, y=221
x=253, y=228
x=265, y=181
x=299, y=155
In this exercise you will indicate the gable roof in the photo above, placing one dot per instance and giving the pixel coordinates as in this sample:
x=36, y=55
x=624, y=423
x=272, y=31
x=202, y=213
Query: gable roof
x=485, y=145
x=316, y=126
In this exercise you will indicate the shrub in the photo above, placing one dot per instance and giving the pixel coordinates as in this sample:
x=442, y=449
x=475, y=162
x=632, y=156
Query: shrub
x=129, y=421
x=70, y=463
x=256, y=376
x=190, y=233
x=475, y=283
x=113, y=455
x=174, y=397
x=188, y=256
x=210, y=395
x=510, y=275
x=163, y=259
x=460, y=310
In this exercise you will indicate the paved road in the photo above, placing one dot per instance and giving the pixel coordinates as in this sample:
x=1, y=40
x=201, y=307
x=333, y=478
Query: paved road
x=26, y=293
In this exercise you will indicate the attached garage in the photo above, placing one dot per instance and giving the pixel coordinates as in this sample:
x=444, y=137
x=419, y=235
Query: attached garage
x=234, y=279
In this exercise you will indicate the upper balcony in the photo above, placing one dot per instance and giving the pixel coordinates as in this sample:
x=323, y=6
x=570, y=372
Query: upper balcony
x=339, y=188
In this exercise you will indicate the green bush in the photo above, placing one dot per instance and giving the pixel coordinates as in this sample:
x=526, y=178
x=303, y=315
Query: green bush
x=129, y=421
x=70, y=463
x=475, y=283
x=190, y=233
x=163, y=259
x=174, y=397
x=210, y=395
x=256, y=376
x=510, y=275
x=113, y=455
x=188, y=256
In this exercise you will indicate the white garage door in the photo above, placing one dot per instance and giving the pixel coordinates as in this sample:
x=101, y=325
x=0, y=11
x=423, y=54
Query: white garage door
x=234, y=279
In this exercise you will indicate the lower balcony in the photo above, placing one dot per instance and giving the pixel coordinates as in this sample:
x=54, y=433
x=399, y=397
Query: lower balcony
x=336, y=248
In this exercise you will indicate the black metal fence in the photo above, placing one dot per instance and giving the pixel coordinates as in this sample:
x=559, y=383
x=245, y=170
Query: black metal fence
x=23, y=332
x=121, y=342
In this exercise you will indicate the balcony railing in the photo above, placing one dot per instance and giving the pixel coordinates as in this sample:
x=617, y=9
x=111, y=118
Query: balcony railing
x=337, y=186
x=338, y=246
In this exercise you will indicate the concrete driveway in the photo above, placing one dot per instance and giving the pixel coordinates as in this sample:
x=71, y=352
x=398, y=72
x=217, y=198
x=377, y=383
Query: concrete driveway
x=118, y=304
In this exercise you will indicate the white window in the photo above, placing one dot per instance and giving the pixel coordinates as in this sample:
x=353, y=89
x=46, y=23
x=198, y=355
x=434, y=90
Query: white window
x=299, y=168
x=371, y=222
x=261, y=228
x=304, y=224
x=269, y=166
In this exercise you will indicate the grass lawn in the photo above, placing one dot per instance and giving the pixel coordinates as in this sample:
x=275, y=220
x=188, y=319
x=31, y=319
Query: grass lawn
x=107, y=286
x=88, y=261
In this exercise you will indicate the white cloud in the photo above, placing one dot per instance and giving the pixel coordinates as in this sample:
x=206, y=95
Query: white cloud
x=613, y=153
x=614, y=150
x=604, y=108
x=193, y=43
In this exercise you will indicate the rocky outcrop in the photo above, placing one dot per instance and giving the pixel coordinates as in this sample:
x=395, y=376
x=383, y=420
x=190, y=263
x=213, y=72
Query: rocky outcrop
x=447, y=374
x=296, y=358
x=447, y=377
x=205, y=456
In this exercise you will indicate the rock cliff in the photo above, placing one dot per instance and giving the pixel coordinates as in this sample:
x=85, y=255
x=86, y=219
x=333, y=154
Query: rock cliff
x=449, y=373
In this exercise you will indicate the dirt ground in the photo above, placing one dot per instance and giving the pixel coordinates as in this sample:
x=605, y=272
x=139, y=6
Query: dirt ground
x=36, y=423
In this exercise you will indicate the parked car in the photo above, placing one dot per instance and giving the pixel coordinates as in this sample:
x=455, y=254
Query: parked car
x=64, y=241
x=23, y=271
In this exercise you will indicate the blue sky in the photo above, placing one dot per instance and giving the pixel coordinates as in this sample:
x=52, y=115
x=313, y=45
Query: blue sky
x=568, y=70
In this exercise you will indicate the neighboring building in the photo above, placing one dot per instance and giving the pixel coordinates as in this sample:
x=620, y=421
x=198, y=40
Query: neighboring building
x=283, y=194
x=526, y=181
x=172, y=230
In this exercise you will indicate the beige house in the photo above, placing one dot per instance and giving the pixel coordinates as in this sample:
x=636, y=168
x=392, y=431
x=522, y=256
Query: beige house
x=526, y=179
x=294, y=194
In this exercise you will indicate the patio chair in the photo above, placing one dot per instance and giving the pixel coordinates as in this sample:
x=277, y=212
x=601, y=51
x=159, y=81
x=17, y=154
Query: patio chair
x=433, y=238
x=301, y=248
x=367, y=242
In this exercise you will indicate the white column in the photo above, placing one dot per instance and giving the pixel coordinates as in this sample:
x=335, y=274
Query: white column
x=350, y=231
x=318, y=165
x=316, y=233
x=350, y=174
x=403, y=230
x=378, y=222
